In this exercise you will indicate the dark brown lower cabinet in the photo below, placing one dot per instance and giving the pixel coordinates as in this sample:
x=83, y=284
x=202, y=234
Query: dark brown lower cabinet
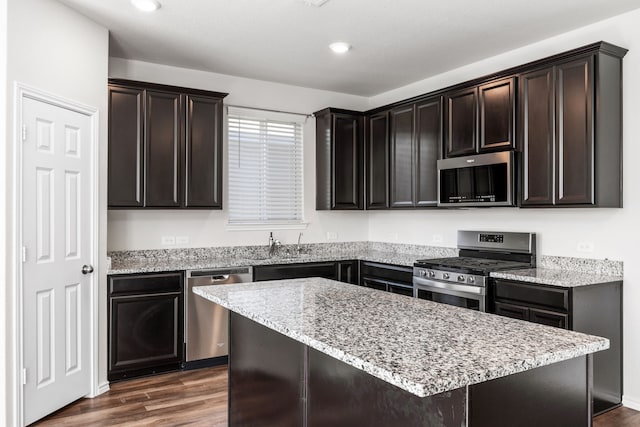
x=145, y=321
x=592, y=309
x=344, y=271
x=387, y=277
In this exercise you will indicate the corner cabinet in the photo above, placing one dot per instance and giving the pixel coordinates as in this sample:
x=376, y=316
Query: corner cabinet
x=571, y=131
x=339, y=159
x=591, y=309
x=165, y=146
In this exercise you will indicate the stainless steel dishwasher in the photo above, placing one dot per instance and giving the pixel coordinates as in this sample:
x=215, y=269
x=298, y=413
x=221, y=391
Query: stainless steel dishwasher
x=206, y=323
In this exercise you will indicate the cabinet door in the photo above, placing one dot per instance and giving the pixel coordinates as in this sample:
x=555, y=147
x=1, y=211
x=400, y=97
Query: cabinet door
x=402, y=154
x=397, y=288
x=549, y=318
x=125, y=147
x=163, y=145
x=348, y=141
x=145, y=334
x=378, y=161
x=348, y=271
x=497, y=115
x=512, y=310
x=203, y=153
x=428, y=144
x=537, y=137
x=574, y=132
x=462, y=118
x=370, y=282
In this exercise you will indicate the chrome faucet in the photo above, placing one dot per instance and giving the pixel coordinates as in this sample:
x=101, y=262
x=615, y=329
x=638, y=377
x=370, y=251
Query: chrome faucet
x=273, y=244
x=298, y=245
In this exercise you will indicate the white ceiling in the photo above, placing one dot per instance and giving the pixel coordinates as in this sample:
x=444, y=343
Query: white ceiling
x=395, y=42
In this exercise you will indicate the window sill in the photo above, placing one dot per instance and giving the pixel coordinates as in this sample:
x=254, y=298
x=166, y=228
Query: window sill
x=267, y=227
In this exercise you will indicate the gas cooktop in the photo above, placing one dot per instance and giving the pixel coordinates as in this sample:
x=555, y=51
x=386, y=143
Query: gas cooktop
x=470, y=265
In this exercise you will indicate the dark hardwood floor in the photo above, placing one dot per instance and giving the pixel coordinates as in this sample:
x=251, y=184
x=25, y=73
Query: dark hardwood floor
x=194, y=398
x=191, y=398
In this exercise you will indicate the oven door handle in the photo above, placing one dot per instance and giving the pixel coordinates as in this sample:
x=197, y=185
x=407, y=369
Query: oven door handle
x=427, y=284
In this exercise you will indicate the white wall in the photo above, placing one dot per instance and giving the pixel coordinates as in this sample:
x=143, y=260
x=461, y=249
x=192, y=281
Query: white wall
x=55, y=49
x=4, y=347
x=615, y=232
x=130, y=229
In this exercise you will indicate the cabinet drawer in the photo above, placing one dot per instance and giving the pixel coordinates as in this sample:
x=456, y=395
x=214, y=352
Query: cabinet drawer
x=145, y=284
x=549, y=318
x=532, y=294
x=295, y=271
x=512, y=310
x=373, y=283
x=397, y=288
x=394, y=273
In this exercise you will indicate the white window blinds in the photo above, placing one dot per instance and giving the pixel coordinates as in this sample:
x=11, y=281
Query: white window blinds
x=265, y=169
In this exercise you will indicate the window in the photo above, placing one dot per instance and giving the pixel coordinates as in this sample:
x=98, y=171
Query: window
x=265, y=168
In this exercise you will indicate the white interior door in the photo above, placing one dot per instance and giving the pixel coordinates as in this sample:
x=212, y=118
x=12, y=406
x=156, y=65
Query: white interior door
x=57, y=239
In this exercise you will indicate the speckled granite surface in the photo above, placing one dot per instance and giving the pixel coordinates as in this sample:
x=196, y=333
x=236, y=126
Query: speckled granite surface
x=604, y=267
x=127, y=262
x=422, y=347
x=561, y=278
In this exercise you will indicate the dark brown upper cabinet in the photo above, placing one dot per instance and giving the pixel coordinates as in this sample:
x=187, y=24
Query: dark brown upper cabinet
x=401, y=157
x=126, y=159
x=163, y=143
x=203, y=152
x=416, y=138
x=570, y=131
x=165, y=146
x=377, y=182
x=480, y=118
x=339, y=160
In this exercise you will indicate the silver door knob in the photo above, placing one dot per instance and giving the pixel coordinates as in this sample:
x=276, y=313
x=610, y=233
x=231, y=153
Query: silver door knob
x=87, y=269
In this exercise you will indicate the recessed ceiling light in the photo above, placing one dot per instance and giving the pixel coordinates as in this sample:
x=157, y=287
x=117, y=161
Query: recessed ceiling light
x=316, y=3
x=146, y=5
x=340, y=47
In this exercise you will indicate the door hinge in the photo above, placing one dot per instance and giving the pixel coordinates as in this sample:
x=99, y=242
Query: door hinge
x=24, y=132
x=24, y=376
x=24, y=254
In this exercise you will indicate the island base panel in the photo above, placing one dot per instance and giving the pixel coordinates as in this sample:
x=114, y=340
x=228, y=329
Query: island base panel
x=343, y=396
x=275, y=381
x=556, y=395
x=266, y=376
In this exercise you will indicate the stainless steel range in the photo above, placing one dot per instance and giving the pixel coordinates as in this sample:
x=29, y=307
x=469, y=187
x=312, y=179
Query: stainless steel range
x=463, y=280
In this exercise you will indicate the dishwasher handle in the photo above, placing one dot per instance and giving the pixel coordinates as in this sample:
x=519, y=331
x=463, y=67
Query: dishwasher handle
x=220, y=278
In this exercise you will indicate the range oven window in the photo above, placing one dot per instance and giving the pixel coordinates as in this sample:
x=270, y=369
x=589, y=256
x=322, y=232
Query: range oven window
x=473, y=304
x=486, y=183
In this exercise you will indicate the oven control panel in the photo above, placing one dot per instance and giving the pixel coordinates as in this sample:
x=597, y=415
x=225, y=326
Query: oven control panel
x=444, y=276
x=491, y=238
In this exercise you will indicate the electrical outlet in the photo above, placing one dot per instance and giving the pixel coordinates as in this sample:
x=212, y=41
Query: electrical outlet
x=182, y=240
x=585, y=247
x=168, y=240
x=437, y=238
x=332, y=235
x=393, y=237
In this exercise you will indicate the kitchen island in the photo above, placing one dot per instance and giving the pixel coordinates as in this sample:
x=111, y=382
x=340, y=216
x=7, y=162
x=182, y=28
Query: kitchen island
x=315, y=352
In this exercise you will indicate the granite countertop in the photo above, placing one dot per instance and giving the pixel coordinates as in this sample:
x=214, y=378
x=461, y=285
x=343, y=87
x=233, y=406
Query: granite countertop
x=561, y=278
x=148, y=265
x=422, y=347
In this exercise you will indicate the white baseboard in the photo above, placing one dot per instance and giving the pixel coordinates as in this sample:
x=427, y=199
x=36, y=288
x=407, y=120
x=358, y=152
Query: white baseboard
x=631, y=402
x=102, y=388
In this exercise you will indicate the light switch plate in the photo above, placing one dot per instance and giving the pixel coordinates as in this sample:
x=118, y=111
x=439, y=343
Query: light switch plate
x=332, y=235
x=182, y=240
x=168, y=240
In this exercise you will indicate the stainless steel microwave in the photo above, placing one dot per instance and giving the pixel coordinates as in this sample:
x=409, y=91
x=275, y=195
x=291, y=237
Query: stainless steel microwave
x=479, y=180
